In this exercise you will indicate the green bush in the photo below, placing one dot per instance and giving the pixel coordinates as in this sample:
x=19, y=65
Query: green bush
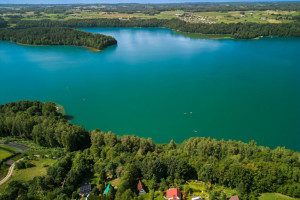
x=6, y=140
x=20, y=165
x=23, y=164
x=28, y=164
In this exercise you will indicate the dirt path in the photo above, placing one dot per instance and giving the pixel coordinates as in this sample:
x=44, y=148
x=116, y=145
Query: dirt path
x=10, y=171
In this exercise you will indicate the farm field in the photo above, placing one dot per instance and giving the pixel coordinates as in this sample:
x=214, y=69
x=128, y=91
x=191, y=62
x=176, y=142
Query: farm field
x=267, y=16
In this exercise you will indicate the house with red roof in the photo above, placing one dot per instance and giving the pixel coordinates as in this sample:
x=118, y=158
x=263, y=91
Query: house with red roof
x=236, y=197
x=173, y=194
x=140, y=188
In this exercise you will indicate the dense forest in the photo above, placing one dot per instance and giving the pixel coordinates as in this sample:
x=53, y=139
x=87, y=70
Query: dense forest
x=57, y=36
x=249, y=168
x=41, y=123
x=237, y=30
x=3, y=23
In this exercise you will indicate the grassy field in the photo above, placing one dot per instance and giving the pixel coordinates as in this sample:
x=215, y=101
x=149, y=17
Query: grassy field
x=202, y=189
x=267, y=16
x=157, y=195
x=39, y=169
x=115, y=182
x=275, y=196
x=206, y=17
x=250, y=16
x=4, y=154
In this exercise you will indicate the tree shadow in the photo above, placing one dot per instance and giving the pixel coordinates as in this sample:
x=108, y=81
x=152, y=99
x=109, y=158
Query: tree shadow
x=68, y=117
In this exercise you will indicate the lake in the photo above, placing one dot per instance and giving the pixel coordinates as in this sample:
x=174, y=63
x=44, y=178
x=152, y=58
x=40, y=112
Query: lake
x=158, y=84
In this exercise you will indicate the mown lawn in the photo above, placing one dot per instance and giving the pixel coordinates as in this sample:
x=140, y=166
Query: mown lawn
x=275, y=196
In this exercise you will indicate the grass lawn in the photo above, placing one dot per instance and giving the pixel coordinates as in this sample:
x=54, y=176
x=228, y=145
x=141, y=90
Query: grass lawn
x=202, y=189
x=23, y=175
x=115, y=182
x=157, y=195
x=4, y=154
x=275, y=196
x=61, y=109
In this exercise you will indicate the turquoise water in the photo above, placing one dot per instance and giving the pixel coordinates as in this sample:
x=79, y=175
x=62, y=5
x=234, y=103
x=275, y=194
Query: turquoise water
x=165, y=86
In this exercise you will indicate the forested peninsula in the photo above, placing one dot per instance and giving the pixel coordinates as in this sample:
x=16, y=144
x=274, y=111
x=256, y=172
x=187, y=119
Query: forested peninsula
x=124, y=160
x=56, y=36
x=236, y=30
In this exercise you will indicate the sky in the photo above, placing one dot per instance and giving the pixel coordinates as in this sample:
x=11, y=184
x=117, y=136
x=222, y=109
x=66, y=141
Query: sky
x=119, y=1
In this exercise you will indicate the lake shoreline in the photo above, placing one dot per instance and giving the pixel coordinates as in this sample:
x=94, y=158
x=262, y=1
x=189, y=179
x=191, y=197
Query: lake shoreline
x=90, y=49
x=238, y=89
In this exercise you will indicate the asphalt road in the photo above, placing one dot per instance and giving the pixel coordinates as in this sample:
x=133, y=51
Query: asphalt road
x=21, y=148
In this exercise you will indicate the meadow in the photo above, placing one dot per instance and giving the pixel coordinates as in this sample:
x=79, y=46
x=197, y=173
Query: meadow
x=39, y=169
x=275, y=196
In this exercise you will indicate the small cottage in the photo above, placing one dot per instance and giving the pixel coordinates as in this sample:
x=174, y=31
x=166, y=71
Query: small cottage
x=140, y=188
x=235, y=197
x=173, y=194
x=85, y=187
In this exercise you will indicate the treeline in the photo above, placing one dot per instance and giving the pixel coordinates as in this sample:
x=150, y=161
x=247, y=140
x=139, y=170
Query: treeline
x=102, y=22
x=237, y=30
x=56, y=36
x=248, y=168
x=41, y=123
